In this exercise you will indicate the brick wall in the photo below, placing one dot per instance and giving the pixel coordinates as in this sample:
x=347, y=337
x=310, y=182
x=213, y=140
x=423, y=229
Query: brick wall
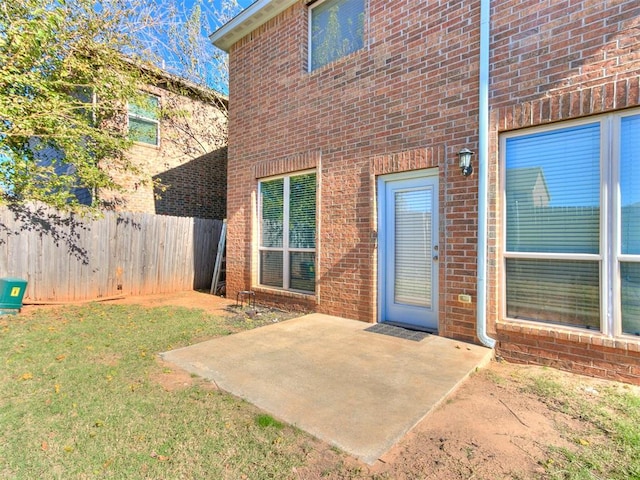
x=185, y=175
x=409, y=100
x=574, y=350
x=554, y=61
x=383, y=105
x=196, y=188
x=543, y=49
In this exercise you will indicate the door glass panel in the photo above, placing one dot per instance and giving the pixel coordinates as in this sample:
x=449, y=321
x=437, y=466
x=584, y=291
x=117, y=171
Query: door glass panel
x=413, y=210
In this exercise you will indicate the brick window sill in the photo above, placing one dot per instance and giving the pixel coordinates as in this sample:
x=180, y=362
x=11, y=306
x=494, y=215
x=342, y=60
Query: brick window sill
x=568, y=335
x=284, y=293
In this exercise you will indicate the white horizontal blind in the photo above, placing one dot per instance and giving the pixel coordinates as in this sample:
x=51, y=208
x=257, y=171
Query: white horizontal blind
x=555, y=291
x=630, y=222
x=552, y=193
x=302, y=232
x=271, y=229
x=630, y=293
x=630, y=184
x=302, y=211
x=413, y=244
x=337, y=29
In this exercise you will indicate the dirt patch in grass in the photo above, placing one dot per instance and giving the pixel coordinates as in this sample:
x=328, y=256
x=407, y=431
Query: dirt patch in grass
x=172, y=378
x=490, y=428
x=107, y=359
x=238, y=316
x=500, y=424
x=190, y=299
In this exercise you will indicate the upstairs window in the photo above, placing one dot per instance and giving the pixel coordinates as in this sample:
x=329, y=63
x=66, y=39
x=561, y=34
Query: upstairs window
x=87, y=100
x=288, y=232
x=336, y=29
x=144, y=126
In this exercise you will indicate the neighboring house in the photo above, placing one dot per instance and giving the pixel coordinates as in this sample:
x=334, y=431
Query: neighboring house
x=53, y=158
x=345, y=194
x=180, y=148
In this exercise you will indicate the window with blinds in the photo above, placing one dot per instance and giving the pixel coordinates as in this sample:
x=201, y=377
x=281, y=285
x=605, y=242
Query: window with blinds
x=568, y=234
x=336, y=29
x=144, y=126
x=288, y=232
x=630, y=223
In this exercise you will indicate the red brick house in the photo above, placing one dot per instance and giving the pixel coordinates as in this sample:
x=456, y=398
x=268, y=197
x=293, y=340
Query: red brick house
x=179, y=150
x=345, y=192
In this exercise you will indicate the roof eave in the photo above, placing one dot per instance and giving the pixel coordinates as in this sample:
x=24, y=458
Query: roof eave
x=255, y=15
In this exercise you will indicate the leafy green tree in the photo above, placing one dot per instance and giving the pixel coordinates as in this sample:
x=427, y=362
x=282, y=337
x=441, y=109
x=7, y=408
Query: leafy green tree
x=182, y=42
x=54, y=57
x=67, y=70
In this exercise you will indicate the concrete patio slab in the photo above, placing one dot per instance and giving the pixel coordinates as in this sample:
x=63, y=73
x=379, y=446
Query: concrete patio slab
x=357, y=390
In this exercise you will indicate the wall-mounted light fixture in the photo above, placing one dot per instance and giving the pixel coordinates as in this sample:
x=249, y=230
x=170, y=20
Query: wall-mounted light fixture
x=464, y=156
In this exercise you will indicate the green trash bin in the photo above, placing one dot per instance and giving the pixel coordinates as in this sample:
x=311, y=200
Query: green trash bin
x=11, y=294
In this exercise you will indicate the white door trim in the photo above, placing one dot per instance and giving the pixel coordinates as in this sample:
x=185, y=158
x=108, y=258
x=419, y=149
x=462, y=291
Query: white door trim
x=381, y=225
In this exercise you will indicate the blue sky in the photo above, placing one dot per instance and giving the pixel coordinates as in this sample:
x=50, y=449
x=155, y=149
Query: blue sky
x=176, y=59
x=215, y=4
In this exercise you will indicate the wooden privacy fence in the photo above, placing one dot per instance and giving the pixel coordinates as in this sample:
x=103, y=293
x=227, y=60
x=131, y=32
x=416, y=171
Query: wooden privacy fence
x=69, y=258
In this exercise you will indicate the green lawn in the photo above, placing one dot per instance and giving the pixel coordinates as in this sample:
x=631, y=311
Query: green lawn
x=82, y=396
x=608, y=445
x=79, y=399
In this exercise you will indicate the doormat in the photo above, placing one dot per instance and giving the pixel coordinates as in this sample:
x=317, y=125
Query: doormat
x=393, y=331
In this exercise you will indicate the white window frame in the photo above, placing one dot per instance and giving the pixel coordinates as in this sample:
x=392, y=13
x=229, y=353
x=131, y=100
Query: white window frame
x=143, y=118
x=285, y=249
x=609, y=257
x=617, y=257
x=310, y=35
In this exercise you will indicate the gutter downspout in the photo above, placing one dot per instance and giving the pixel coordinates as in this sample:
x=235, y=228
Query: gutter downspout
x=483, y=173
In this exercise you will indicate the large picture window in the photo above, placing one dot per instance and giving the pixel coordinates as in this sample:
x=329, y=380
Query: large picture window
x=336, y=29
x=288, y=232
x=144, y=126
x=572, y=224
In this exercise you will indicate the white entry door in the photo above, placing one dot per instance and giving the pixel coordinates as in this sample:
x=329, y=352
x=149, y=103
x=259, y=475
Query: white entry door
x=408, y=249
